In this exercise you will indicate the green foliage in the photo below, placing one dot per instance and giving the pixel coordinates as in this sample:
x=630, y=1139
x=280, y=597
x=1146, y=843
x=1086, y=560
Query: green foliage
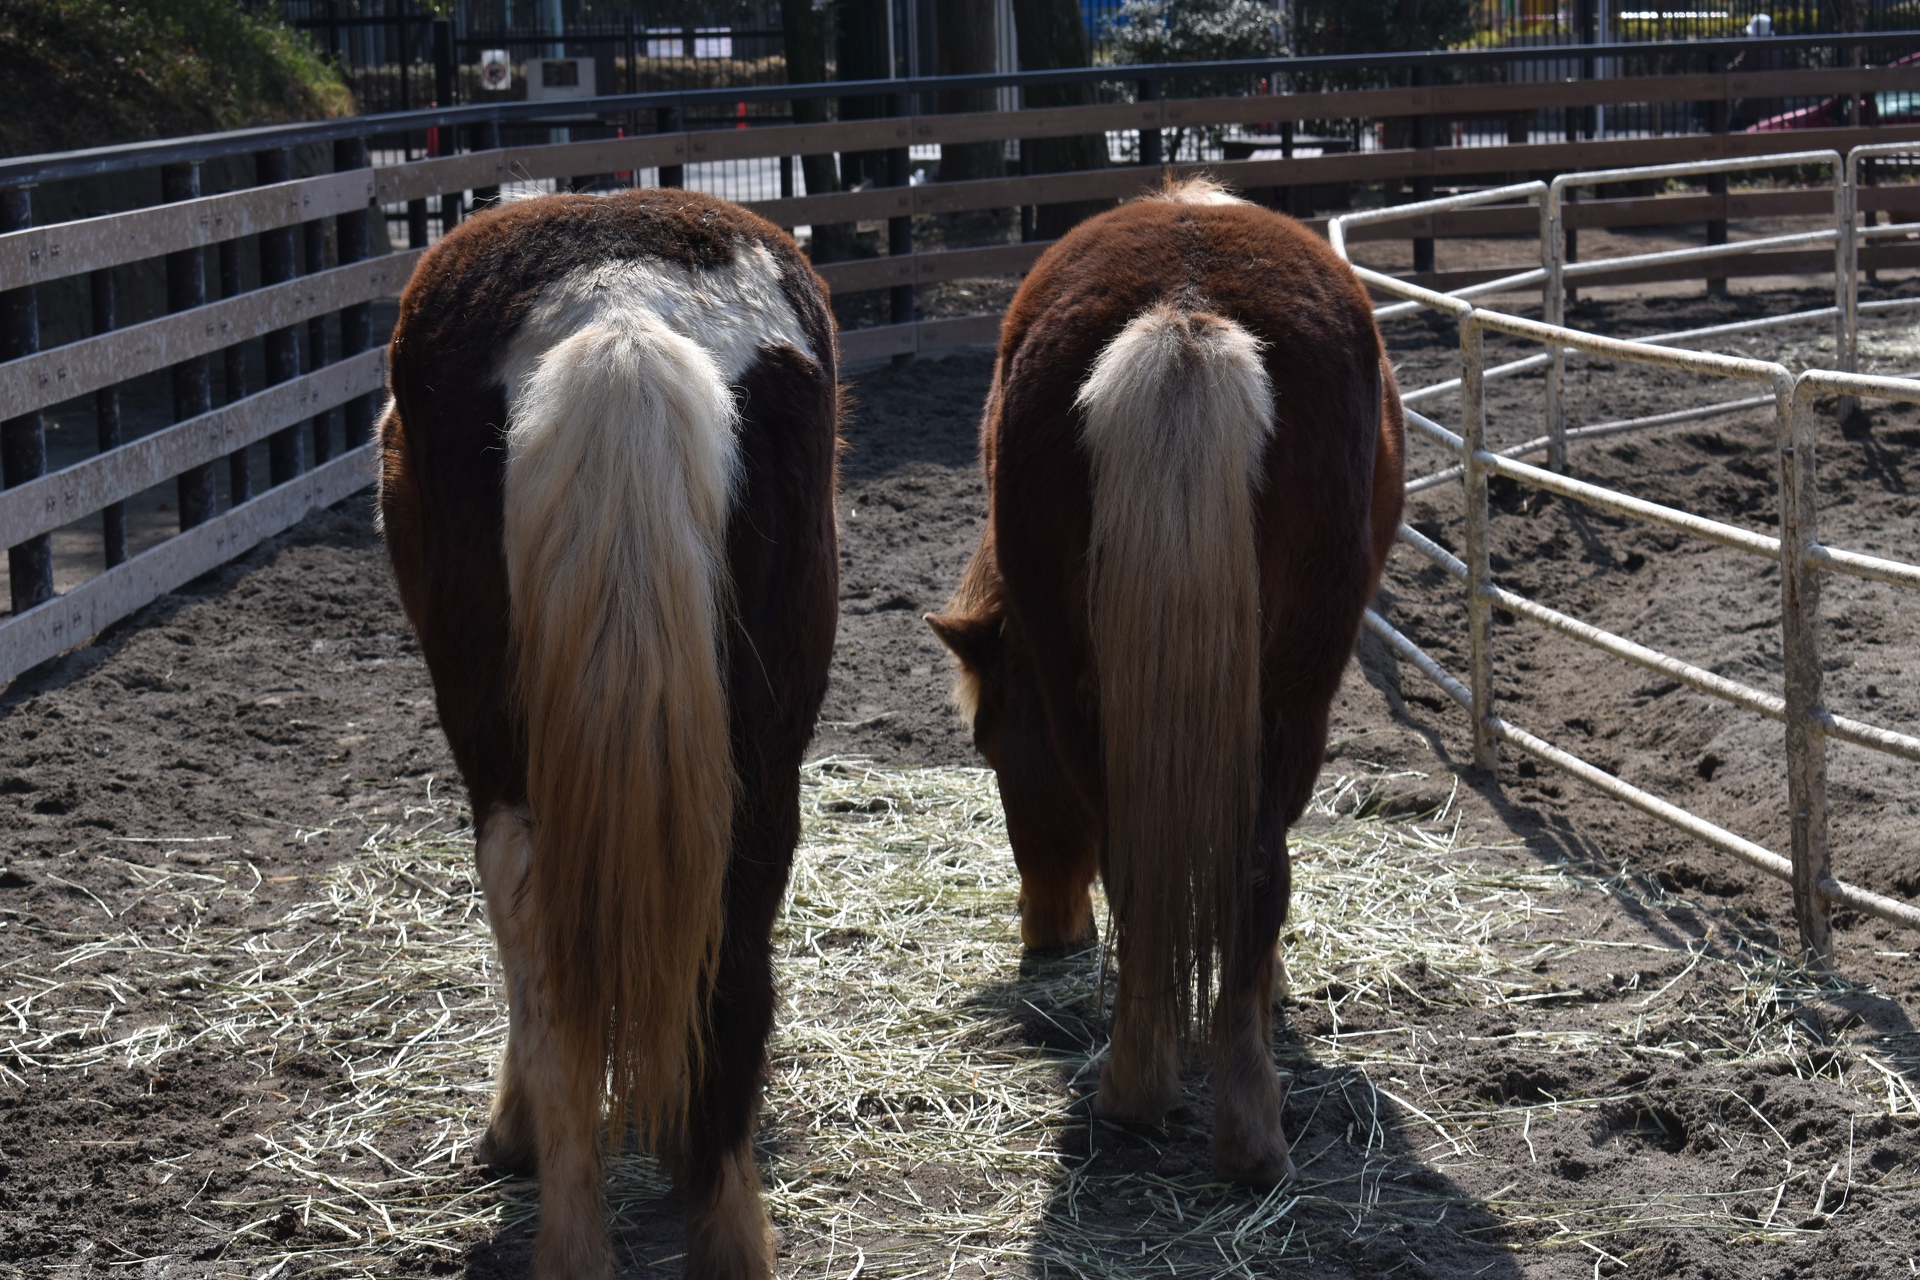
x=87, y=73
x=1146, y=31
x=1382, y=26
x=1193, y=31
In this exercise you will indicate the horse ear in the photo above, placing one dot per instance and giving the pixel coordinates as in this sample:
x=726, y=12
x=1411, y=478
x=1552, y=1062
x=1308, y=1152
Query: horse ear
x=973, y=640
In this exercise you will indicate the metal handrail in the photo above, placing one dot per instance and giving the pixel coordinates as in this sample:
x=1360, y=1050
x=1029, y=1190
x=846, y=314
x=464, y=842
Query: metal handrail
x=1553, y=252
x=1796, y=549
x=45, y=168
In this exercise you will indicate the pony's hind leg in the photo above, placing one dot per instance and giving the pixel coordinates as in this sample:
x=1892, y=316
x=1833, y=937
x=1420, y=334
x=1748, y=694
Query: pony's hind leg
x=1249, y=1134
x=1140, y=1081
x=728, y=1235
x=505, y=852
x=547, y=1107
x=564, y=1084
x=547, y=1104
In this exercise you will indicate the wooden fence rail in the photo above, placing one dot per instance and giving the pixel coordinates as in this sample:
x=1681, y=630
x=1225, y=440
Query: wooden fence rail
x=34, y=506
x=47, y=253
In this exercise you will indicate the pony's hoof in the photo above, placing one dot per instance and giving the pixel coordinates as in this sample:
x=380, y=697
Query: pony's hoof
x=577, y=1254
x=731, y=1239
x=730, y=1256
x=502, y=1154
x=1269, y=1164
x=1137, y=1101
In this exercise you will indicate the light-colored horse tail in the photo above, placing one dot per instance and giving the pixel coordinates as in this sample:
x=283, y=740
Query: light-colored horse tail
x=621, y=462
x=1178, y=412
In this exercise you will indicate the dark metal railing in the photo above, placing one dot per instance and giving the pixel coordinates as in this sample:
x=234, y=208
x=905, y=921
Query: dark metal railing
x=1162, y=79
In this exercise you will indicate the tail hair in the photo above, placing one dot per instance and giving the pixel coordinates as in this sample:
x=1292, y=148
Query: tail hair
x=621, y=463
x=1178, y=411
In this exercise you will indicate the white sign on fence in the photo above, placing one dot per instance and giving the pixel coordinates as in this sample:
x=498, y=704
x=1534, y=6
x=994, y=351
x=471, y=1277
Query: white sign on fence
x=496, y=70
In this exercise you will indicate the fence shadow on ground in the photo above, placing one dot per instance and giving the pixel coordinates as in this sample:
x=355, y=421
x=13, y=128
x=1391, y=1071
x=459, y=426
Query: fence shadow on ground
x=1841, y=1021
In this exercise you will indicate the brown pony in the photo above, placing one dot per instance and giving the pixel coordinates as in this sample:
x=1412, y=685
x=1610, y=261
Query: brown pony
x=607, y=488
x=1193, y=457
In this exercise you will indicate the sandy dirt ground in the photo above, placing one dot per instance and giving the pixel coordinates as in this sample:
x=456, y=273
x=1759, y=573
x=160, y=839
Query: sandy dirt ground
x=1647, y=1086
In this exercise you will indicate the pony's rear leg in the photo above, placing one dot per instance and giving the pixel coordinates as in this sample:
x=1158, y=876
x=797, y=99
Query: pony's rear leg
x=1140, y=1081
x=728, y=1234
x=1249, y=1133
x=547, y=1105
x=505, y=852
x=564, y=1086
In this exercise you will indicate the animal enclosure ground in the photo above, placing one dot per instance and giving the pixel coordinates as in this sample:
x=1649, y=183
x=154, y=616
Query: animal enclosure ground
x=250, y=1009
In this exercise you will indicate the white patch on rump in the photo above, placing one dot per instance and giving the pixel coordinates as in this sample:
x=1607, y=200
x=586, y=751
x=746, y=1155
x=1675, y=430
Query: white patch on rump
x=731, y=311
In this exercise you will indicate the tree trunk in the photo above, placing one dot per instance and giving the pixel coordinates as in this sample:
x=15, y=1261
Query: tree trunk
x=806, y=47
x=1053, y=35
x=966, y=39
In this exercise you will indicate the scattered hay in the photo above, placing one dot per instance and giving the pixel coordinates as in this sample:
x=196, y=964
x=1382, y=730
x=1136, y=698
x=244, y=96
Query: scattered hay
x=926, y=1111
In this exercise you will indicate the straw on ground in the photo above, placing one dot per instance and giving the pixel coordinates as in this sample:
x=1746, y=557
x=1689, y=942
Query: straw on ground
x=925, y=1112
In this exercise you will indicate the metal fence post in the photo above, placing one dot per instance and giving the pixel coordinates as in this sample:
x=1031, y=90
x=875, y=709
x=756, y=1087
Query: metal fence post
x=672, y=120
x=446, y=72
x=23, y=440
x=1473, y=424
x=234, y=374
x=356, y=321
x=106, y=417
x=1423, y=182
x=1846, y=273
x=417, y=223
x=1717, y=182
x=1150, y=143
x=314, y=237
x=1800, y=661
x=486, y=137
x=193, y=378
x=282, y=346
x=1553, y=308
x=900, y=230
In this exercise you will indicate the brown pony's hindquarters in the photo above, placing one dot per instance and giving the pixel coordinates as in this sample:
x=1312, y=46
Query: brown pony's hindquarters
x=1134, y=371
x=623, y=584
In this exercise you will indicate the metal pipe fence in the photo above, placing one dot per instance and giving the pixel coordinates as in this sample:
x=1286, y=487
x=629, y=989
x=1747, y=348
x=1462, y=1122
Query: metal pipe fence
x=1808, y=865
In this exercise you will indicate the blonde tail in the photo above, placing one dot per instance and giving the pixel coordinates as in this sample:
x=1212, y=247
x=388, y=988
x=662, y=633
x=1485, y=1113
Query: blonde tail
x=1178, y=412
x=621, y=460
